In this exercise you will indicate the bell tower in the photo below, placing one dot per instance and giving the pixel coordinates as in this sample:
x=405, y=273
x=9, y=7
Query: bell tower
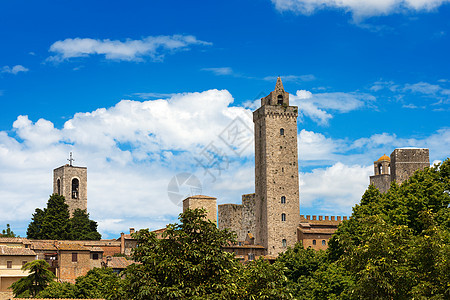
x=276, y=172
x=71, y=182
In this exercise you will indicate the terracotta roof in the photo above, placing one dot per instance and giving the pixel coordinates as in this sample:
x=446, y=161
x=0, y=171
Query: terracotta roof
x=117, y=262
x=384, y=158
x=244, y=247
x=317, y=230
x=5, y=250
x=96, y=249
x=76, y=247
x=13, y=240
x=201, y=197
x=43, y=246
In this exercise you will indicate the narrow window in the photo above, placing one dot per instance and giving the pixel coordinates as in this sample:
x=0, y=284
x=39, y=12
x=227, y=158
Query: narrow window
x=58, y=186
x=324, y=242
x=280, y=99
x=314, y=242
x=282, y=131
x=9, y=264
x=283, y=199
x=75, y=187
x=74, y=257
x=284, y=243
x=283, y=217
x=95, y=256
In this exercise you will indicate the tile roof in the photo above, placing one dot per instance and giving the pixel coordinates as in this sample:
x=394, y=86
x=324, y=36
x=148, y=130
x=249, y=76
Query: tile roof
x=77, y=247
x=13, y=240
x=5, y=250
x=43, y=246
x=96, y=249
x=117, y=262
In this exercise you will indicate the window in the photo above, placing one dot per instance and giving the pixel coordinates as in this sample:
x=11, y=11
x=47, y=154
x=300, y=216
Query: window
x=58, y=186
x=94, y=256
x=314, y=242
x=284, y=243
x=283, y=199
x=283, y=217
x=74, y=257
x=324, y=242
x=282, y=131
x=24, y=263
x=251, y=256
x=280, y=99
x=75, y=187
x=9, y=264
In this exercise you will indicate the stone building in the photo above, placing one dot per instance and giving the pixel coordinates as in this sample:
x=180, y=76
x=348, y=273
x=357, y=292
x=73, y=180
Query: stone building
x=401, y=165
x=71, y=182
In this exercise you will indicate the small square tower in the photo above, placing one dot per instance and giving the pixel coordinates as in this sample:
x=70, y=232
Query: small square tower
x=200, y=201
x=405, y=161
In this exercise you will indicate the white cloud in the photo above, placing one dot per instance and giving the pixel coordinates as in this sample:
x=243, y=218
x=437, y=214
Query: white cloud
x=359, y=8
x=14, y=70
x=154, y=47
x=335, y=189
x=132, y=150
x=219, y=71
x=423, y=87
x=316, y=106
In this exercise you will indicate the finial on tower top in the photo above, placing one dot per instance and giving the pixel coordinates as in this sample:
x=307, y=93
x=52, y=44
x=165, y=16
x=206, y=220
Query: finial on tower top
x=70, y=159
x=279, y=86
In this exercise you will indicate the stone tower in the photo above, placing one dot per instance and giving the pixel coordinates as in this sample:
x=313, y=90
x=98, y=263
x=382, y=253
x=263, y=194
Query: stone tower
x=200, y=201
x=71, y=182
x=382, y=177
x=276, y=172
x=399, y=167
x=405, y=161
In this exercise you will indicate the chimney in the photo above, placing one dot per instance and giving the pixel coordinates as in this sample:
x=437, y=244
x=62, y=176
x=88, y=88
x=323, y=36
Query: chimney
x=131, y=230
x=122, y=243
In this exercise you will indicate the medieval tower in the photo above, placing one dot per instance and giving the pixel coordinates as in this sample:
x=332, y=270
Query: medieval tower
x=276, y=172
x=71, y=182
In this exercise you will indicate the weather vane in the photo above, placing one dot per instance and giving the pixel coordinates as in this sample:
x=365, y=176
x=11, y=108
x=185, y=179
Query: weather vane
x=71, y=159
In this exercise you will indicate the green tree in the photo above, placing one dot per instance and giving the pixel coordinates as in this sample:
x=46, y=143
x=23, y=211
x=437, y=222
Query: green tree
x=36, y=281
x=396, y=245
x=97, y=283
x=54, y=222
x=59, y=290
x=8, y=232
x=187, y=263
x=81, y=227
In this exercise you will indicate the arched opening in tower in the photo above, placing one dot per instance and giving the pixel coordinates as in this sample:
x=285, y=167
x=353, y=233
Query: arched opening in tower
x=75, y=188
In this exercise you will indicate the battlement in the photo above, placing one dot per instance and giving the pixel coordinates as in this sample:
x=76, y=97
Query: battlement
x=304, y=219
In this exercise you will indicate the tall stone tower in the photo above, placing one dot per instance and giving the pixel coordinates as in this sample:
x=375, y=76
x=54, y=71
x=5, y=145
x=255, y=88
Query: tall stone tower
x=71, y=182
x=276, y=172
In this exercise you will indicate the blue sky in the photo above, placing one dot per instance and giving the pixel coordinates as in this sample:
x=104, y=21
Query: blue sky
x=368, y=76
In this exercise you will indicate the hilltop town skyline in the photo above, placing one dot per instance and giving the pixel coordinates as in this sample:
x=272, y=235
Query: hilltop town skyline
x=138, y=102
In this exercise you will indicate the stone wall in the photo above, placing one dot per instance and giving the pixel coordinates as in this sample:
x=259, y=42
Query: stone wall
x=405, y=161
x=248, y=216
x=65, y=175
x=230, y=216
x=381, y=182
x=69, y=270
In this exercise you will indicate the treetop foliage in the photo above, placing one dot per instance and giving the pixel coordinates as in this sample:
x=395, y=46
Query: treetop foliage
x=54, y=223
